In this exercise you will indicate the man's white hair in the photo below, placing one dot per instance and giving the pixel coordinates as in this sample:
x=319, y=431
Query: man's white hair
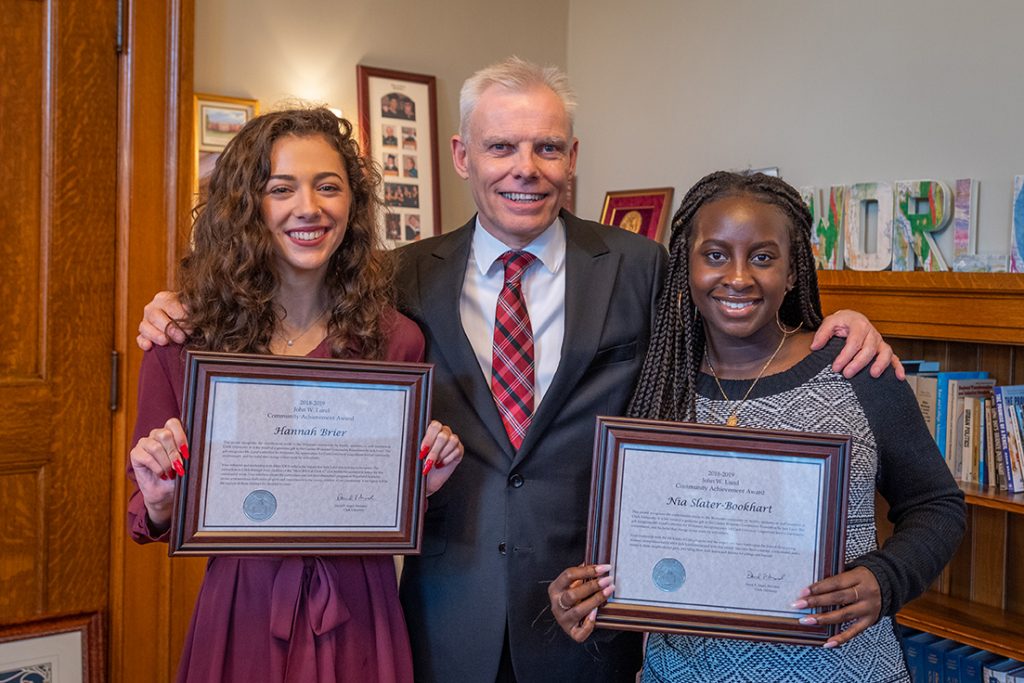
x=515, y=75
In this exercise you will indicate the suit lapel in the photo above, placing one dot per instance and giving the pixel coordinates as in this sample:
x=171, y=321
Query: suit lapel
x=590, y=270
x=441, y=279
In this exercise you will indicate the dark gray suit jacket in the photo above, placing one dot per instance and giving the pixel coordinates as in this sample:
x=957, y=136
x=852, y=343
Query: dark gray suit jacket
x=509, y=522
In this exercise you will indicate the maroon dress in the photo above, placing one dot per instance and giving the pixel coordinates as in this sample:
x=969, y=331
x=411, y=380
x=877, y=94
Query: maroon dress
x=288, y=619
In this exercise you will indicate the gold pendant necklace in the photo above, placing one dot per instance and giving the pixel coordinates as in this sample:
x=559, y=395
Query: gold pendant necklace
x=301, y=334
x=734, y=419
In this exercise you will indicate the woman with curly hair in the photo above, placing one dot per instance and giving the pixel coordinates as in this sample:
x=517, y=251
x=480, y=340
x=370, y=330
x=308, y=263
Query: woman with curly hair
x=732, y=346
x=285, y=261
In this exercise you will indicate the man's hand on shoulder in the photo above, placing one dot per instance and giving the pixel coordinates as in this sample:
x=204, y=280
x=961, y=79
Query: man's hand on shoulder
x=864, y=344
x=159, y=315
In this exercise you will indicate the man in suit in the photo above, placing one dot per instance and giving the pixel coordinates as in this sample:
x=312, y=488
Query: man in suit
x=511, y=518
x=514, y=514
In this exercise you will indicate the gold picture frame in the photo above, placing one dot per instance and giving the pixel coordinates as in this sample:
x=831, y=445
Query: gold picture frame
x=644, y=212
x=217, y=119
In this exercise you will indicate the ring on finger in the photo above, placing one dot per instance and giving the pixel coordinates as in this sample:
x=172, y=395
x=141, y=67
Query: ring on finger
x=562, y=604
x=856, y=595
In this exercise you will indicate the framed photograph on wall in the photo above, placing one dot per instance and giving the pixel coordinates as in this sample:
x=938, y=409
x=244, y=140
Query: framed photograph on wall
x=66, y=649
x=644, y=212
x=217, y=120
x=398, y=125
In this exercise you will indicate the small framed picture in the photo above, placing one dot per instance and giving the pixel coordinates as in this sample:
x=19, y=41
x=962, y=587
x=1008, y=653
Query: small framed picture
x=65, y=649
x=644, y=212
x=217, y=120
x=398, y=123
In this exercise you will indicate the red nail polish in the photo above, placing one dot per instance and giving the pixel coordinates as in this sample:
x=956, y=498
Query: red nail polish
x=184, y=451
x=163, y=476
x=179, y=468
x=439, y=464
x=424, y=451
x=427, y=466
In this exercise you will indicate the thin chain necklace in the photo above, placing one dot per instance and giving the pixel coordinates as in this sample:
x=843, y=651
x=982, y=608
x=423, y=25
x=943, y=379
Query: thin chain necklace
x=291, y=342
x=733, y=418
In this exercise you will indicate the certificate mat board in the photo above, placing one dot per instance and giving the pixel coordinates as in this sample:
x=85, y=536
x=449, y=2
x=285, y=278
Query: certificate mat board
x=300, y=456
x=714, y=530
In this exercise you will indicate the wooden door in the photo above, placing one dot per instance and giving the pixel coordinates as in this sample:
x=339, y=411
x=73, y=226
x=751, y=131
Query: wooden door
x=58, y=171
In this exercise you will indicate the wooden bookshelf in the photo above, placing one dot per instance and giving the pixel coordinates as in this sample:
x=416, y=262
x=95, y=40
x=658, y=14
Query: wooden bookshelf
x=1009, y=502
x=968, y=307
x=966, y=321
x=966, y=622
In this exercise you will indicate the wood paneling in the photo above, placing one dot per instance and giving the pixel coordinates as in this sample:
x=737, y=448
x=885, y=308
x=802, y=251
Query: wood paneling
x=988, y=556
x=58, y=107
x=24, y=538
x=1015, y=566
x=22, y=90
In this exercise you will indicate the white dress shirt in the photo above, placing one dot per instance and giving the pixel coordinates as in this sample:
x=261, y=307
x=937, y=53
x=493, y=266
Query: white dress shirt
x=543, y=285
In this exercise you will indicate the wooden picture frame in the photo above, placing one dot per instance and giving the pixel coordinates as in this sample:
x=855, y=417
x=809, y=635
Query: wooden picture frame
x=644, y=212
x=398, y=128
x=60, y=649
x=704, y=534
x=217, y=120
x=292, y=455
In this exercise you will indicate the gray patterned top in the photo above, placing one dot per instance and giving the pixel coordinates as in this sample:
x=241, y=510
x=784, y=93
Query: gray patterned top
x=893, y=452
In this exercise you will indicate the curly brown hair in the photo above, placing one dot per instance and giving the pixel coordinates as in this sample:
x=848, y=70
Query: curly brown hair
x=229, y=280
x=667, y=387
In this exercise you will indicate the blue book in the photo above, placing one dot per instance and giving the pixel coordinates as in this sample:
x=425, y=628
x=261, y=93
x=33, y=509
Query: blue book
x=916, y=367
x=972, y=666
x=914, y=649
x=935, y=660
x=996, y=672
x=942, y=401
x=953, y=661
x=1020, y=436
x=1009, y=397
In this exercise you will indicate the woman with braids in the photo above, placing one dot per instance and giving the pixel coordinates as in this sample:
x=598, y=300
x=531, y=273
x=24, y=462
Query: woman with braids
x=285, y=261
x=732, y=346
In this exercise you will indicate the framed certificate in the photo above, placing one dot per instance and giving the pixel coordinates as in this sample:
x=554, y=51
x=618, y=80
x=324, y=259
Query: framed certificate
x=300, y=456
x=714, y=530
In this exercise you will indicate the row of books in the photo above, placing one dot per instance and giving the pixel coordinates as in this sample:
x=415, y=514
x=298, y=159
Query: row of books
x=931, y=659
x=977, y=424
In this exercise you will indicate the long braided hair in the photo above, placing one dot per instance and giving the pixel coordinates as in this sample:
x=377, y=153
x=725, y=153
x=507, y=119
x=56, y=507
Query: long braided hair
x=667, y=389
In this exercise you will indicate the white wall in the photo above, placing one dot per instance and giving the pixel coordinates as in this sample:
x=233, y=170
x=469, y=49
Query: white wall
x=830, y=92
x=272, y=51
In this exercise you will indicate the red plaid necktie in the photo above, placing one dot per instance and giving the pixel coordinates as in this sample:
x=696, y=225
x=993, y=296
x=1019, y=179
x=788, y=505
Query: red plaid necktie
x=512, y=362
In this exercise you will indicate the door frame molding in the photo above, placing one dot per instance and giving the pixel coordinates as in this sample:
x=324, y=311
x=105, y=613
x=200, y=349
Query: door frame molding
x=149, y=603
